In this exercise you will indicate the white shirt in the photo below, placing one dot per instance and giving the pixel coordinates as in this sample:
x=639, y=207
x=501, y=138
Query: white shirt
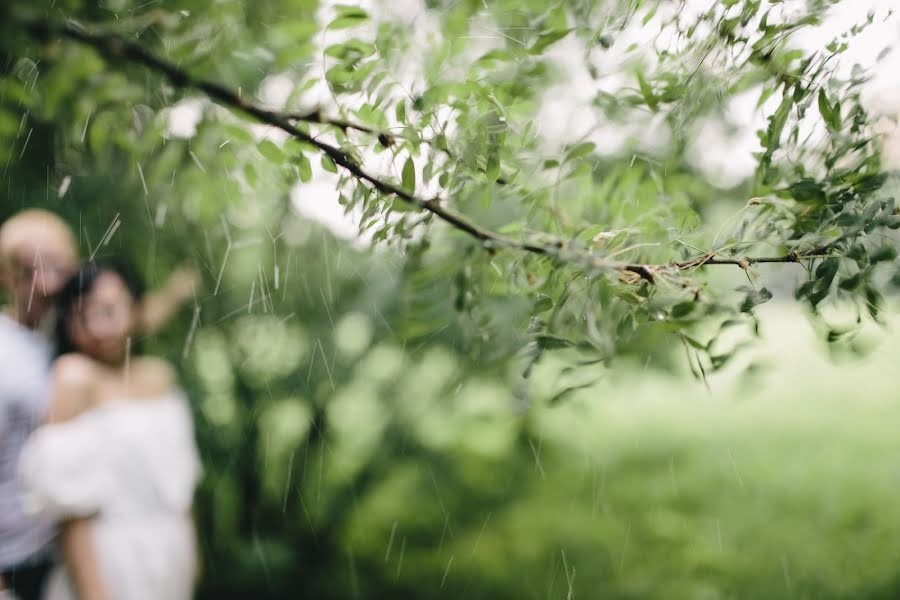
x=25, y=357
x=132, y=465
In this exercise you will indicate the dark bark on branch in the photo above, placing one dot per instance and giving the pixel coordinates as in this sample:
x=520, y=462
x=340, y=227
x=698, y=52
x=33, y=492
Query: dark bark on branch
x=710, y=259
x=385, y=138
x=114, y=47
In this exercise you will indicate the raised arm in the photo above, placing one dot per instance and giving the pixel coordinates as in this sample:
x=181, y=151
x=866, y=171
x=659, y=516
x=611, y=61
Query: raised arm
x=159, y=305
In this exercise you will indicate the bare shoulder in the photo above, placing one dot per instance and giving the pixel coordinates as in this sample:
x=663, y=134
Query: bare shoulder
x=73, y=377
x=73, y=370
x=156, y=374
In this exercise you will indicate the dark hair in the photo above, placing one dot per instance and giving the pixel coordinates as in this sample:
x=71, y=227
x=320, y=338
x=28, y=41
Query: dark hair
x=80, y=284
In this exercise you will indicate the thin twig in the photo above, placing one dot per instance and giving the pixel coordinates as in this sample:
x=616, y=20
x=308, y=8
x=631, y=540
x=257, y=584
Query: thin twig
x=385, y=137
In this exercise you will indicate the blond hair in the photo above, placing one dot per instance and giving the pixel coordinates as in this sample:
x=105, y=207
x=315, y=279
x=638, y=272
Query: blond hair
x=25, y=225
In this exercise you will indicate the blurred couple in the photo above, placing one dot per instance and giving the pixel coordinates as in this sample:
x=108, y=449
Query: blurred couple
x=98, y=463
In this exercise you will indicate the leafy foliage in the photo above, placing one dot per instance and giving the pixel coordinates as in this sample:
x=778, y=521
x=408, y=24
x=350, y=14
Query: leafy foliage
x=485, y=238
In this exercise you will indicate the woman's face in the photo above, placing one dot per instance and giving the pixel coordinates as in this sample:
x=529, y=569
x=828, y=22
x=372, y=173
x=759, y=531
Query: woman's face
x=104, y=319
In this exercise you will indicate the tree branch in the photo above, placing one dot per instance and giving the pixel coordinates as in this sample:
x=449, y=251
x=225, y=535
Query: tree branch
x=316, y=116
x=385, y=138
x=114, y=47
x=710, y=259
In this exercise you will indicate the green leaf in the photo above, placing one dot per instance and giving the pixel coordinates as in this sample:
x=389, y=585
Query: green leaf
x=830, y=115
x=683, y=309
x=869, y=183
x=580, y=150
x=651, y=13
x=692, y=342
x=328, y=164
x=305, y=168
x=348, y=16
x=461, y=284
x=236, y=133
x=402, y=206
x=552, y=342
x=857, y=252
x=755, y=298
x=874, y=301
x=294, y=146
x=271, y=151
x=338, y=76
x=546, y=39
x=884, y=253
x=492, y=56
x=345, y=22
x=806, y=190
x=555, y=399
x=544, y=302
x=250, y=174
x=348, y=9
x=352, y=49
x=827, y=269
x=372, y=115
x=777, y=122
x=847, y=219
x=721, y=360
x=647, y=91
x=492, y=169
x=849, y=284
x=804, y=290
x=408, y=176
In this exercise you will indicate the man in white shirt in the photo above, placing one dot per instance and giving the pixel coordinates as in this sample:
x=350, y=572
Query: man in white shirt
x=37, y=255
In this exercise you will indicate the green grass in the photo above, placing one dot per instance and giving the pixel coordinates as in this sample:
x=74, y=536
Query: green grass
x=785, y=485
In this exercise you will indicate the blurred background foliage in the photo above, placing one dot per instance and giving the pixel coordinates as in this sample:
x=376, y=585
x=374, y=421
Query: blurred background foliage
x=361, y=408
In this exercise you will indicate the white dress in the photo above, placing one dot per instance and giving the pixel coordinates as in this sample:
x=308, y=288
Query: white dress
x=133, y=466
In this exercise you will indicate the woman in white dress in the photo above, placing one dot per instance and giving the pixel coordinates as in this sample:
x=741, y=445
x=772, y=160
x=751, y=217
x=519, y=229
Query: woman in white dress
x=116, y=464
